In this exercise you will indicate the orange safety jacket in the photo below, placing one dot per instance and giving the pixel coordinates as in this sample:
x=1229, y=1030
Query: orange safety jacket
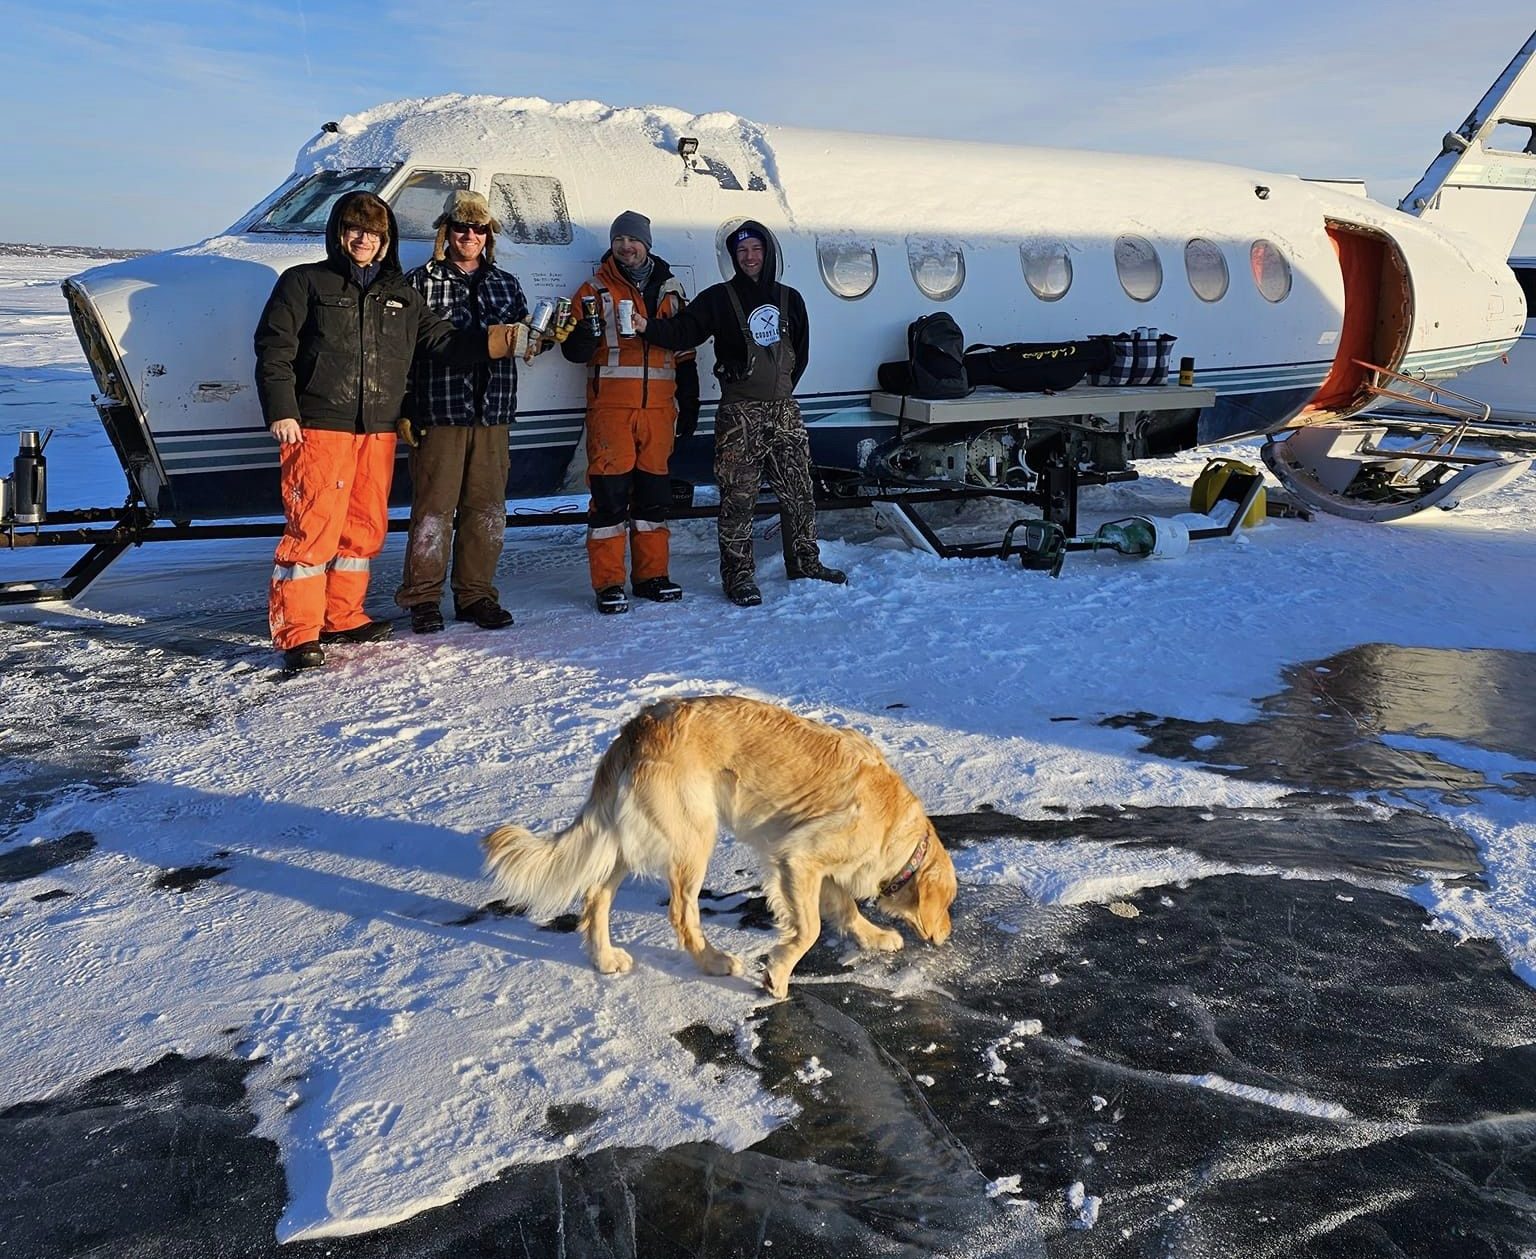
x=629, y=372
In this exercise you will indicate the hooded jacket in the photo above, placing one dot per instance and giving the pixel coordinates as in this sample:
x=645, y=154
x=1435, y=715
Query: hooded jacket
x=712, y=314
x=627, y=371
x=335, y=356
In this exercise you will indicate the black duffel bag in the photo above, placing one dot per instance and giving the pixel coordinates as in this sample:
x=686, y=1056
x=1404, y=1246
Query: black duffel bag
x=1032, y=366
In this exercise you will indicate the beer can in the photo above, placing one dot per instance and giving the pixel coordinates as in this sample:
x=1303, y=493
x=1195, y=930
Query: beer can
x=590, y=316
x=543, y=312
x=562, y=312
x=626, y=318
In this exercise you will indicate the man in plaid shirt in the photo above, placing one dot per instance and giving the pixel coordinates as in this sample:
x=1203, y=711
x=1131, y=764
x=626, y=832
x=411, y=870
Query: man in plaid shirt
x=457, y=429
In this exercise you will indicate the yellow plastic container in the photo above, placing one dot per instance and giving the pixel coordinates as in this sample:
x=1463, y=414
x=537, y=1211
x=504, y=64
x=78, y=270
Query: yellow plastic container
x=1209, y=484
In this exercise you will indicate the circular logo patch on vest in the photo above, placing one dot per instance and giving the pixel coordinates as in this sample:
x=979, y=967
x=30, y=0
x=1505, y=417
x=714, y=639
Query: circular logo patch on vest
x=763, y=323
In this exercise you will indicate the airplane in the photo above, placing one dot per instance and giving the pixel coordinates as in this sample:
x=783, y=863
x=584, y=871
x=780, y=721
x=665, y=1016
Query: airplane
x=1296, y=299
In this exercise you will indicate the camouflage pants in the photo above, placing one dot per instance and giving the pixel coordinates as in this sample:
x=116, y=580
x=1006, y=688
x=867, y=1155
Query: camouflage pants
x=753, y=441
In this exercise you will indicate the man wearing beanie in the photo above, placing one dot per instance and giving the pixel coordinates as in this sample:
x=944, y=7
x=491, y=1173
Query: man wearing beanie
x=333, y=352
x=638, y=396
x=762, y=345
x=457, y=428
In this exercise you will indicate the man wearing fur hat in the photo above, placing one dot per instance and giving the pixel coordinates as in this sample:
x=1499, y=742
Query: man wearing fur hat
x=762, y=345
x=458, y=428
x=333, y=355
x=636, y=394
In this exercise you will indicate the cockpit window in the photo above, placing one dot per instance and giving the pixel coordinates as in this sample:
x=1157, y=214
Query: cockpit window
x=531, y=209
x=419, y=200
x=307, y=206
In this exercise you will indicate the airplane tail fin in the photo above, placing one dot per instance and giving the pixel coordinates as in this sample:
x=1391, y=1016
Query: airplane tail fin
x=1484, y=179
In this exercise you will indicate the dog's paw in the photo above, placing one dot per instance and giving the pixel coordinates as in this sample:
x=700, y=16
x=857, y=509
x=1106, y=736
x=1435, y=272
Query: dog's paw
x=776, y=984
x=714, y=962
x=885, y=940
x=614, y=962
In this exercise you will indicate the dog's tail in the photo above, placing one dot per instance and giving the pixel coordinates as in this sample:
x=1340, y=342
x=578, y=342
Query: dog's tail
x=543, y=876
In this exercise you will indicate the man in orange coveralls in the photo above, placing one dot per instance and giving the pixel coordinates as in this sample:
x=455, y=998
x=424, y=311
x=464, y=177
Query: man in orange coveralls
x=637, y=396
x=333, y=354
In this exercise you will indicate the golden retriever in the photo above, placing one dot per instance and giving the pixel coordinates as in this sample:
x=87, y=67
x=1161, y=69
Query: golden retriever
x=833, y=823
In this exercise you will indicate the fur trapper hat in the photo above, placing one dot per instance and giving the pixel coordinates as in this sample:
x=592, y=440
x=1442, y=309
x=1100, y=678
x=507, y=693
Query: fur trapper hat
x=364, y=210
x=464, y=206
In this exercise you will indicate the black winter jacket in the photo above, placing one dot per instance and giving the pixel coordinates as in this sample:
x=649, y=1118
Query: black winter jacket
x=335, y=357
x=712, y=315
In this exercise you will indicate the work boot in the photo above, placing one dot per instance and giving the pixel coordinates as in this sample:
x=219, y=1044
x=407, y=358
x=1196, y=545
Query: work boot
x=426, y=618
x=660, y=589
x=817, y=572
x=612, y=599
x=744, y=594
x=304, y=656
x=367, y=632
x=486, y=613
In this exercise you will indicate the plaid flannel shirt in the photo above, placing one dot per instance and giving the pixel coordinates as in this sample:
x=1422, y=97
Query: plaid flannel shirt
x=485, y=394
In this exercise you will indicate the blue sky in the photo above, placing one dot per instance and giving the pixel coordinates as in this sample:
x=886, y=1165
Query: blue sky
x=154, y=124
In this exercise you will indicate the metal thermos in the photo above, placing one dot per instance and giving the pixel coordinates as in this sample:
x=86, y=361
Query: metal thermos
x=29, y=479
x=543, y=312
x=591, y=317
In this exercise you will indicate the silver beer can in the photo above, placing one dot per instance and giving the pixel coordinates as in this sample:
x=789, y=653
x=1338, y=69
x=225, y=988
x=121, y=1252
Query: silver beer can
x=626, y=318
x=543, y=313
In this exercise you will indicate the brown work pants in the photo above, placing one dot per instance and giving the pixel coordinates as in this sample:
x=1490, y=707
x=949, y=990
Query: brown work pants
x=458, y=508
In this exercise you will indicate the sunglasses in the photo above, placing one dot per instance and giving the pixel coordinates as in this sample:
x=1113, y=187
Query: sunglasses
x=464, y=229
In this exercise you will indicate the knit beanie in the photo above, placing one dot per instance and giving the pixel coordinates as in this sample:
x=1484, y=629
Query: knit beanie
x=634, y=225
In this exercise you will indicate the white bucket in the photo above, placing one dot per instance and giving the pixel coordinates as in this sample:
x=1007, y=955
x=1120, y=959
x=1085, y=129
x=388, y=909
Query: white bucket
x=1170, y=538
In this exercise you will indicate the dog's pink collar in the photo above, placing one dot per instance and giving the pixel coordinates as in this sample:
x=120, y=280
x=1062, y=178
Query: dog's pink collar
x=903, y=876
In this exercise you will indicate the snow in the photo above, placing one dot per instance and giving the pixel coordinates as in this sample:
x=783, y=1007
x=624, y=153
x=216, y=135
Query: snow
x=410, y=1047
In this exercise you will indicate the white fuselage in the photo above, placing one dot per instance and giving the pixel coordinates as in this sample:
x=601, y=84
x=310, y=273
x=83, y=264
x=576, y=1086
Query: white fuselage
x=847, y=210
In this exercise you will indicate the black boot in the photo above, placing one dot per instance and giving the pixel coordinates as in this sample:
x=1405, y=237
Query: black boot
x=661, y=589
x=744, y=593
x=486, y=613
x=304, y=656
x=426, y=618
x=817, y=572
x=367, y=632
x=611, y=599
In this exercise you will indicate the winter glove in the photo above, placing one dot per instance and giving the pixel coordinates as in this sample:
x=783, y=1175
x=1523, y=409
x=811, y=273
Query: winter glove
x=687, y=419
x=500, y=339
x=563, y=330
x=407, y=432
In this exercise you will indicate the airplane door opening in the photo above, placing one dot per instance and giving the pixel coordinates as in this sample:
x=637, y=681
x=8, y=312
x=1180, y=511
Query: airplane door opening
x=1378, y=309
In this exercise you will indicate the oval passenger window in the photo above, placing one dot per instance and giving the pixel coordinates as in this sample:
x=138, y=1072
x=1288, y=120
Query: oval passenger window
x=1047, y=269
x=1206, y=267
x=848, y=269
x=1271, y=272
x=938, y=267
x=1137, y=265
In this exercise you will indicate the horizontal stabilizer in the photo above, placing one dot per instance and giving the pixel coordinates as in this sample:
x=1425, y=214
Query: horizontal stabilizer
x=1484, y=179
